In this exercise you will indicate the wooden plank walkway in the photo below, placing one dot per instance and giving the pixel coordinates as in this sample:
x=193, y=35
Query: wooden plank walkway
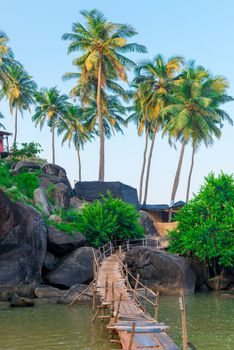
x=136, y=329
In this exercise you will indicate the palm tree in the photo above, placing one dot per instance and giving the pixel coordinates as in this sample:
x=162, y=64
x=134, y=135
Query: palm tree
x=155, y=81
x=74, y=129
x=50, y=106
x=19, y=89
x=103, y=44
x=195, y=113
x=1, y=125
x=4, y=56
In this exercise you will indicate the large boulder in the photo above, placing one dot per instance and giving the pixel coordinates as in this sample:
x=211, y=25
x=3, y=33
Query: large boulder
x=23, y=249
x=16, y=300
x=62, y=196
x=92, y=190
x=54, y=174
x=26, y=166
x=161, y=271
x=74, y=292
x=10, y=215
x=41, y=201
x=74, y=268
x=48, y=292
x=60, y=242
x=148, y=224
x=76, y=203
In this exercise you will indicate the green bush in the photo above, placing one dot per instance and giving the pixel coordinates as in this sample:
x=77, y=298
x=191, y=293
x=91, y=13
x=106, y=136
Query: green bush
x=206, y=224
x=109, y=220
x=27, y=151
x=18, y=187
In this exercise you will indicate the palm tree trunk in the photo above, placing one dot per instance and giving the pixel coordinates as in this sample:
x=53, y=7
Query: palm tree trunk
x=149, y=164
x=79, y=161
x=190, y=175
x=100, y=125
x=16, y=126
x=144, y=163
x=177, y=175
x=53, y=147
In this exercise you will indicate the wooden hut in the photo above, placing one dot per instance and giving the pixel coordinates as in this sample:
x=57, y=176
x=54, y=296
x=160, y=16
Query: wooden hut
x=159, y=213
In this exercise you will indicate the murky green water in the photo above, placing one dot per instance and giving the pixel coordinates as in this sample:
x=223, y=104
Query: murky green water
x=210, y=321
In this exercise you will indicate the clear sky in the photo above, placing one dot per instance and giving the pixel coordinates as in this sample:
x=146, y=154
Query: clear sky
x=201, y=29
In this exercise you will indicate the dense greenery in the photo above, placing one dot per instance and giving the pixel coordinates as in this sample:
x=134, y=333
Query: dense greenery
x=110, y=219
x=206, y=224
x=18, y=187
x=27, y=151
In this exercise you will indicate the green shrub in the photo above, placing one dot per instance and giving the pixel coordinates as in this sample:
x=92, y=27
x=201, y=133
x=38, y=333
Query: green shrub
x=27, y=151
x=50, y=193
x=109, y=220
x=27, y=183
x=206, y=224
x=5, y=175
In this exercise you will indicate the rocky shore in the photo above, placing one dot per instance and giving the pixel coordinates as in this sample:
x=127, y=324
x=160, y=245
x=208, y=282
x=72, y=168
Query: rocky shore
x=40, y=263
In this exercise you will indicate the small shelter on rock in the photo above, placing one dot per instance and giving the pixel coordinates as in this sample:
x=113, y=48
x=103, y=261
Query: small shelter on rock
x=4, y=144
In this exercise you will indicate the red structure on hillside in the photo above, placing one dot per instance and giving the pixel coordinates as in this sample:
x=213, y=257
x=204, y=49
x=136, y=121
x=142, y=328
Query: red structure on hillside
x=4, y=144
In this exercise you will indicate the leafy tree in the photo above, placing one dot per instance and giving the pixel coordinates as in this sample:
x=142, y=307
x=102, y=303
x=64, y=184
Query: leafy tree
x=103, y=45
x=206, y=224
x=19, y=90
x=27, y=151
x=50, y=106
x=74, y=127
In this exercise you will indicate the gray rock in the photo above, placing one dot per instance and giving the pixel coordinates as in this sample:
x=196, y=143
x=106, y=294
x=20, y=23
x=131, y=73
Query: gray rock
x=24, y=166
x=41, y=201
x=161, y=271
x=62, y=242
x=23, y=249
x=54, y=170
x=16, y=300
x=74, y=292
x=148, y=224
x=74, y=268
x=6, y=292
x=50, y=261
x=10, y=215
x=62, y=196
x=48, y=292
x=76, y=203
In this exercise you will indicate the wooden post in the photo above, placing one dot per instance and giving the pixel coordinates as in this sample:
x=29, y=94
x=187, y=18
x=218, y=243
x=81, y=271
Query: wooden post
x=127, y=245
x=136, y=285
x=118, y=307
x=132, y=337
x=183, y=319
x=113, y=299
x=94, y=297
x=156, y=307
x=145, y=303
x=106, y=287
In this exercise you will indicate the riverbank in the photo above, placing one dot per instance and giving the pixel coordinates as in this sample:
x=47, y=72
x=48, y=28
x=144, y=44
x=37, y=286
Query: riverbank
x=41, y=327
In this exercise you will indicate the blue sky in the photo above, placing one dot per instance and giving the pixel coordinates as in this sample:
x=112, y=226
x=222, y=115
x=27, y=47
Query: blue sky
x=200, y=30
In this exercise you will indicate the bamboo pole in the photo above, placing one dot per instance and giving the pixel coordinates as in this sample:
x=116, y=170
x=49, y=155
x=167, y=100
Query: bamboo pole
x=156, y=307
x=132, y=336
x=118, y=307
x=183, y=319
x=106, y=288
x=136, y=285
x=145, y=303
x=113, y=299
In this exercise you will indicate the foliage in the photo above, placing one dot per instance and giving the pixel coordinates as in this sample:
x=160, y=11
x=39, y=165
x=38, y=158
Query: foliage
x=28, y=151
x=206, y=224
x=109, y=219
x=70, y=222
x=18, y=187
x=50, y=193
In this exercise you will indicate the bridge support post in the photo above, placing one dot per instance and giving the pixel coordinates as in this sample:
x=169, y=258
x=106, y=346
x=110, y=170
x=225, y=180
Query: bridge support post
x=183, y=319
x=132, y=337
x=156, y=307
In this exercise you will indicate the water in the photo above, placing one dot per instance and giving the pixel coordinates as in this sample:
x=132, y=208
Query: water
x=210, y=321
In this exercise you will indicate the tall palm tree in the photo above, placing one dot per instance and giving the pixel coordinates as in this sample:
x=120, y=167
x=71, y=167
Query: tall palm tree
x=1, y=125
x=103, y=45
x=155, y=80
x=50, y=106
x=19, y=90
x=195, y=113
x=74, y=129
x=5, y=55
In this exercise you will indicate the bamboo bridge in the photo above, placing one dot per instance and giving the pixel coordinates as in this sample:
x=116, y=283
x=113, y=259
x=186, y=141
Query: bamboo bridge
x=124, y=305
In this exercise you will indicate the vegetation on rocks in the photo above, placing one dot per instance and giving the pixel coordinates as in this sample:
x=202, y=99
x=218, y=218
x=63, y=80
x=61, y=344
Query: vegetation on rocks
x=206, y=224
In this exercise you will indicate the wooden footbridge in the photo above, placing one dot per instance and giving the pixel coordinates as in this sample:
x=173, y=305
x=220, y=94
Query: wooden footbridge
x=124, y=305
